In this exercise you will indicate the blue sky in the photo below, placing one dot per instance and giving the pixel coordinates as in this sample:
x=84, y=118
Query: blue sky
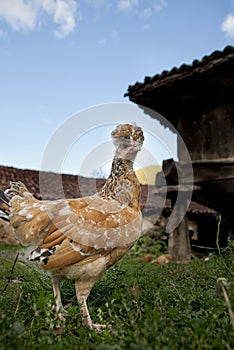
x=60, y=57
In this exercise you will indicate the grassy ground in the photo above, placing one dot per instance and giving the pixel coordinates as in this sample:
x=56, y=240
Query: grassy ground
x=149, y=306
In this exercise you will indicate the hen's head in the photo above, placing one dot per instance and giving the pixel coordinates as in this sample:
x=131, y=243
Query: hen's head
x=128, y=139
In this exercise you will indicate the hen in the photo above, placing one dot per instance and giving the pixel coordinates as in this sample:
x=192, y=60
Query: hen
x=81, y=238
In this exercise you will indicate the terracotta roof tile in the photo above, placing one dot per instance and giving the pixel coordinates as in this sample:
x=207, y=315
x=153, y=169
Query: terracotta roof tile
x=78, y=186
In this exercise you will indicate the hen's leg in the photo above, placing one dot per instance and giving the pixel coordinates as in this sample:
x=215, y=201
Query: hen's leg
x=87, y=321
x=59, y=306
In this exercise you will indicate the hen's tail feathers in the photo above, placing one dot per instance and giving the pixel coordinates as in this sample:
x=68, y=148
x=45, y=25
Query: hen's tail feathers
x=17, y=188
x=4, y=206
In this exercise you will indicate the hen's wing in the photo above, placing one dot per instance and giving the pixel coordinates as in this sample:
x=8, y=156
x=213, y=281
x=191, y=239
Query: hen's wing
x=85, y=229
x=77, y=229
x=102, y=223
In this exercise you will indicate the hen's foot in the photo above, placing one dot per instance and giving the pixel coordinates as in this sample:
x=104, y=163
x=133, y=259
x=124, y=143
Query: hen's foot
x=61, y=312
x=62, y=315
x=100, y=327
x=97, y=327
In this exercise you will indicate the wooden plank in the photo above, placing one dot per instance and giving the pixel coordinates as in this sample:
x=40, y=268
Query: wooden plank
x=203, y=171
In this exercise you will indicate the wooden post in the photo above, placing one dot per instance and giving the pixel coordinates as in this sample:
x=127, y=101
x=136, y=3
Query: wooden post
x=179, y=245
x=179, y=241
x=179, y=188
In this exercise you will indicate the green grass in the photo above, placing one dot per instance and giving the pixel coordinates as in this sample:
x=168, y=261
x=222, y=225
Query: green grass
x=170, y=306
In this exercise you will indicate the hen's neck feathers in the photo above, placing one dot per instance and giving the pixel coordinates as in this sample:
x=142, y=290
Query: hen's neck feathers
x=122, y=184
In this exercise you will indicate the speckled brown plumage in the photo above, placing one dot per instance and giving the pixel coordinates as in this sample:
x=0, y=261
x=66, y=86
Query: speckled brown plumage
x=81, y=238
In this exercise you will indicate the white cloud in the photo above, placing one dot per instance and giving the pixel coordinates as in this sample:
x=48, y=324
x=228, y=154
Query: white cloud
x=102, y=41
x=49, y=6
x=25, y=15
x=228, y=25
x=19, y=14
x=147, y=12
x=112, y=37
x=99, y=3
x=64, y=17
x=125, y=5
x=160, y=5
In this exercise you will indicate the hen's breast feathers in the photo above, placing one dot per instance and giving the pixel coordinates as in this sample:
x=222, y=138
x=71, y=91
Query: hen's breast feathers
x=80, y=229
